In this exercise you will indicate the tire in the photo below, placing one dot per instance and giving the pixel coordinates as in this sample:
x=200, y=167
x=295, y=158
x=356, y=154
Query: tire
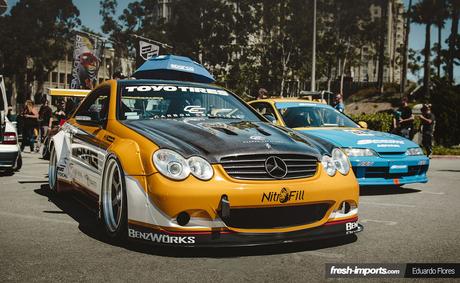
x=18, y=164
x=114, y=209
x=52, y=173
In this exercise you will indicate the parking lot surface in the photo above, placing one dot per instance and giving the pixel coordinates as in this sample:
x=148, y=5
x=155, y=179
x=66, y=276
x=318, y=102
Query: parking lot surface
x=44, y=238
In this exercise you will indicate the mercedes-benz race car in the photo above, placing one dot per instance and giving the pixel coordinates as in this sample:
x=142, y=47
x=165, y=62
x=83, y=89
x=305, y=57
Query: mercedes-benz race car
x=188, y=164
x=377, y=158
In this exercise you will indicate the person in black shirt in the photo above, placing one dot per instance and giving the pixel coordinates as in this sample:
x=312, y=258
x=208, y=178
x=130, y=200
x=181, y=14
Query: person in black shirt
x=403, y=122
x=44, y=117
x=428, y=121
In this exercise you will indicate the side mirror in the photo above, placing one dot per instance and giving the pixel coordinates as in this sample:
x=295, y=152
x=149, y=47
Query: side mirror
x=270, y=118
x=362, y=124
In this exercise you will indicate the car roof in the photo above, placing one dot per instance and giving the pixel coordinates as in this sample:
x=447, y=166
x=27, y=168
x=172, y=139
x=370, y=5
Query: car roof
x=156, y=81
x=290, y=99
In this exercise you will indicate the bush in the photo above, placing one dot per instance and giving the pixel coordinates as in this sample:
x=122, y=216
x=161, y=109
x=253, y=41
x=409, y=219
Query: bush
x=382, y=122
x=440, y=150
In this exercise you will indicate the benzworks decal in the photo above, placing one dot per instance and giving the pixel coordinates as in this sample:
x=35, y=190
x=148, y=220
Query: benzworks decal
x=171, y=88
x=285, y=195
x=161, y=238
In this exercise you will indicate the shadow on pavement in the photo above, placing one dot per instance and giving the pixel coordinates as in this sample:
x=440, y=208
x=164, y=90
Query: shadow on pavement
x=448, y=170
x=385, y=190
x=89, y=225
x=6, y=173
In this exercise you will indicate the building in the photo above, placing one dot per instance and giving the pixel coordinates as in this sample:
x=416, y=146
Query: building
x=367, y=71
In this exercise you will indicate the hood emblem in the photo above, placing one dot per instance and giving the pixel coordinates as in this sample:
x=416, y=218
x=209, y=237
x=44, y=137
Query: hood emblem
x=276, y=167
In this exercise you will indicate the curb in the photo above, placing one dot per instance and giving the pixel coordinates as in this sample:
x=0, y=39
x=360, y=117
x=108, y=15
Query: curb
x=445, y=157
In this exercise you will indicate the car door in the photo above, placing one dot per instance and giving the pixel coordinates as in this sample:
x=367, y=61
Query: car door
x=88, y=146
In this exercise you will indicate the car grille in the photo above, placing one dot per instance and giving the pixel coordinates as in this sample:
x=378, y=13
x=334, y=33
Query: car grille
x=276, y=217
x=383, y=172
x=252, y=167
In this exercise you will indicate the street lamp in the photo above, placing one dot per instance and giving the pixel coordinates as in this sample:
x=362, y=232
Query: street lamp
x=313, y=54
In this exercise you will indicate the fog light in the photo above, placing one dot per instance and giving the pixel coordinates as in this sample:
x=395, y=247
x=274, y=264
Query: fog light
x=183, y=218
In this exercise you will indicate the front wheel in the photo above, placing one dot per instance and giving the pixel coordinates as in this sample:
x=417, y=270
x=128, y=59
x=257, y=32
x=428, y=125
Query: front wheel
x=52, y=172
x=113, y=200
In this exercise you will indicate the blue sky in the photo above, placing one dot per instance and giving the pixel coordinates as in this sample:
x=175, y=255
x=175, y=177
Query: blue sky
x=89, y=15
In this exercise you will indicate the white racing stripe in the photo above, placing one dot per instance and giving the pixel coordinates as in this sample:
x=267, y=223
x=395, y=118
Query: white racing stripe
x=387, y=204
x=32, y=217
x=385, y=222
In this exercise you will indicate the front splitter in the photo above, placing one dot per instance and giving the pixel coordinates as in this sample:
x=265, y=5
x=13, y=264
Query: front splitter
x=236, y=239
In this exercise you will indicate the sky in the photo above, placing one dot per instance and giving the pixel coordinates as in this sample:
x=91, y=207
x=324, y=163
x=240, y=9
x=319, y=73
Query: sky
x=89, y=15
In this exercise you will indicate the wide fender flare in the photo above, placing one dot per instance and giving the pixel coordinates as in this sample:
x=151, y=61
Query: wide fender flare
x=129, y=155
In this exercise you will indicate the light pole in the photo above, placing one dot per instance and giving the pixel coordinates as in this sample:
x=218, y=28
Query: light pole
x=313, y=54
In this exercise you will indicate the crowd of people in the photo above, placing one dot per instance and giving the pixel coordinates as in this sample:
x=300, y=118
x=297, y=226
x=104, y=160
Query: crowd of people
x=35, y=124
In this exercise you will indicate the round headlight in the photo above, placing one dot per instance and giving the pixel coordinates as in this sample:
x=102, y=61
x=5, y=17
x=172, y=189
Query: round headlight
x=171, y=164
x=328, y=165
x=340, y=160
x=200, y=168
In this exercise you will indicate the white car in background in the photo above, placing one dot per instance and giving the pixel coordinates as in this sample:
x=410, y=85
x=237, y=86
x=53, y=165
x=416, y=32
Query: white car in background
x=10, y=153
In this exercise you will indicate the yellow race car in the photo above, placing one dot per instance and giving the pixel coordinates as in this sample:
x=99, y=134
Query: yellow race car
x=189, y=164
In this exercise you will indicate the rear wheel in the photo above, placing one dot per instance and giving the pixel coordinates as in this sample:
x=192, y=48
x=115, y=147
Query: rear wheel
x=113, y=198
x=18, y=164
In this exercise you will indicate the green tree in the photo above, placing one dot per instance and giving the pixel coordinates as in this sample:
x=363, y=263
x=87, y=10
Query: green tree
x=35, y=34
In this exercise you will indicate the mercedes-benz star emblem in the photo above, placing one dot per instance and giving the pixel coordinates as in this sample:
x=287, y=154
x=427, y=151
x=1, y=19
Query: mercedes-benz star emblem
x=276, y=167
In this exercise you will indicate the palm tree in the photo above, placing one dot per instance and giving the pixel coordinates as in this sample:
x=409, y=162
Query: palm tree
x=422, y=13
x=441, y=14
x=454, y=7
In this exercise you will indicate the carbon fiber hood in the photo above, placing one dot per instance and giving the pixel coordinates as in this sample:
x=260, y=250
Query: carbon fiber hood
x=216, y=138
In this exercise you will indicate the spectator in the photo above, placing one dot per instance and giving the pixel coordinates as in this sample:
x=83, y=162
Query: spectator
x=30, y=119
x=403, y=120
x=44, y=118
x=59, y=116
x=263, y=94
x=428, y=122
x=338, y=103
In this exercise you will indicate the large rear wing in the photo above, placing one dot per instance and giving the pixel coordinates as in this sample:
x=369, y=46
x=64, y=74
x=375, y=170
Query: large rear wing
x=61, y=92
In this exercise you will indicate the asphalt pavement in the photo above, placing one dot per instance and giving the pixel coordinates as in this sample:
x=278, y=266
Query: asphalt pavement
x=48, y=239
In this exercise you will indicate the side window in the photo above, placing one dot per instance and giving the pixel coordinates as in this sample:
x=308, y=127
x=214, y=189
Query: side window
x=264, y=109
x=96, y=107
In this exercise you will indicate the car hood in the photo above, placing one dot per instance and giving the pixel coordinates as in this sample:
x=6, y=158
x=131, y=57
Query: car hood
x=361, y=138
x=216, y=138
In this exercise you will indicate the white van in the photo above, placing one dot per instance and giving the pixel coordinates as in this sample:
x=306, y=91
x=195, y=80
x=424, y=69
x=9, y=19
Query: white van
x=10, y=153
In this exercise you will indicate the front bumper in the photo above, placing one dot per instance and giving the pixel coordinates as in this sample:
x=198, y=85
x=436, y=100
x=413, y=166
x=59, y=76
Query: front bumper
x=227, y=238
x=398, y=170
x=254, y=214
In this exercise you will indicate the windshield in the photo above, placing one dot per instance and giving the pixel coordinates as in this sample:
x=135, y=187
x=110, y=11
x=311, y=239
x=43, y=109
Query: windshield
x=299, y=115
x=170, y=101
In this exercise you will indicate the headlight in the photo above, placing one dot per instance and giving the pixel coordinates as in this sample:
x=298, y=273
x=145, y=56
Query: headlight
x=414, y=151
x=200, y=168
x=340, y=160
x=359, y=152
x=328, y=165
x=171, y=164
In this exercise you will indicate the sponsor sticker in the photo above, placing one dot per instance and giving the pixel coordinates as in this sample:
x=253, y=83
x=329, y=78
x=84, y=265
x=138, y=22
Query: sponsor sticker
x=284, y=196
x=173, y=88
x=360, y=132
x=160, y=238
